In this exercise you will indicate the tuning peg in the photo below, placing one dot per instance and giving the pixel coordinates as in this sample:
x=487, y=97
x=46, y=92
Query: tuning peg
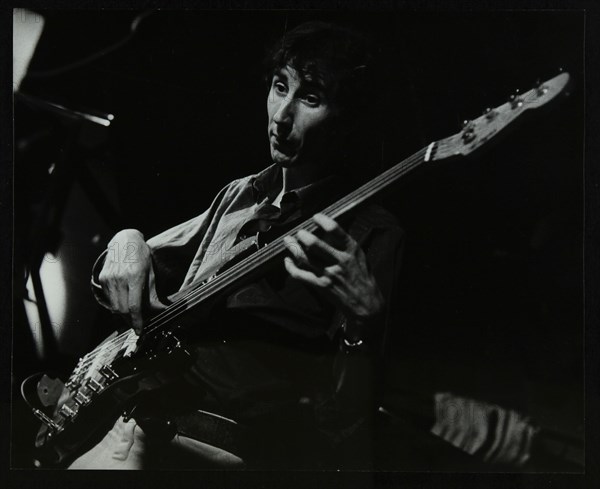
x=514, y=99
x=468, y=125
x=468, y=137
x=489, y=113
x=540, y=89
x=468, y=131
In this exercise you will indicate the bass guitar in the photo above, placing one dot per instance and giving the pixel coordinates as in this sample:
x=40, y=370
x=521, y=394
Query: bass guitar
x=110, y=379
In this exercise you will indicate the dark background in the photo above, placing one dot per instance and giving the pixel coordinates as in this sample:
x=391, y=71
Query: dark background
x=491, y=297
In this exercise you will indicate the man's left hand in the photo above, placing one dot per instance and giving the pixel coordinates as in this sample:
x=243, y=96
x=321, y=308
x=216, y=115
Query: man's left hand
x=335, y=264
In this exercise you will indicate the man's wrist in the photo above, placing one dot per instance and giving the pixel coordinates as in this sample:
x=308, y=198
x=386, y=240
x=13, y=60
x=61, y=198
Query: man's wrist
x=354, y=345
x=359, y=328
x=354, y=330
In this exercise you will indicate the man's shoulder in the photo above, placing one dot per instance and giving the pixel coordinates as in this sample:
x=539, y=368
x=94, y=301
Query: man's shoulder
x=239, y=183
x=375, y=215
x=371, y=218
x=235, y=189
x=249, y=180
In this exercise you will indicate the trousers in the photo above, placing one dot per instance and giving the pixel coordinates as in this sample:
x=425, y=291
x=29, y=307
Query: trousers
x=127, y=447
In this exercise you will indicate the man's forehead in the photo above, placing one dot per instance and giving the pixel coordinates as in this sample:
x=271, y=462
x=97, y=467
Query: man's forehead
x=307, y=76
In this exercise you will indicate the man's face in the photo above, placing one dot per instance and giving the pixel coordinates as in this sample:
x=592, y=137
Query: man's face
x=301, y=114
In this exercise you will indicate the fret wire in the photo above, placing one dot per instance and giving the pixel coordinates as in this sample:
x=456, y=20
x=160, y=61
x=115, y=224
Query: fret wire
x=126, y=342
x=104, y=348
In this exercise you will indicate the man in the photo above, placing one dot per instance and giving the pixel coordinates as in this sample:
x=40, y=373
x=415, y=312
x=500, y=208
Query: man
x=285, y=365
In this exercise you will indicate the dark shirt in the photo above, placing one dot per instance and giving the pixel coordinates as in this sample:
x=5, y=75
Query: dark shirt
x=274, y=350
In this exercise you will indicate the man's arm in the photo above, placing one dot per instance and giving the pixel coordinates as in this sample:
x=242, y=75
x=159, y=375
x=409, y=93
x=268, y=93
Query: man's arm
x=128, y=282
x=345, y=410
x=336, y=265
x=132, y=273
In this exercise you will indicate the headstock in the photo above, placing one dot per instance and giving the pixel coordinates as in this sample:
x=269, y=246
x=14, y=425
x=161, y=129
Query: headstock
x=480, y=131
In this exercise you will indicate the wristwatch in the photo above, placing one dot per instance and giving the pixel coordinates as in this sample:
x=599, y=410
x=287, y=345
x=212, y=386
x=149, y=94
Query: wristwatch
x=352, y=344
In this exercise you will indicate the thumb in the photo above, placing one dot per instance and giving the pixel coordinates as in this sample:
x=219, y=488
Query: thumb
x=155, y=303
x=135, y=307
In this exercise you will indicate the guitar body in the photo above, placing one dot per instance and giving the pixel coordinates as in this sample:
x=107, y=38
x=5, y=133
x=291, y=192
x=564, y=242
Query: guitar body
x=106, y=384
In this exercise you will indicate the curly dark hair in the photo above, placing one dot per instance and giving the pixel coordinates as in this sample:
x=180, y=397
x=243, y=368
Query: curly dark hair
x=341, y=56
x=345, y=60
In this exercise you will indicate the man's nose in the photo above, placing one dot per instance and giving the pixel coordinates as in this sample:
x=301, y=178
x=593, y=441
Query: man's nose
x=284, y=115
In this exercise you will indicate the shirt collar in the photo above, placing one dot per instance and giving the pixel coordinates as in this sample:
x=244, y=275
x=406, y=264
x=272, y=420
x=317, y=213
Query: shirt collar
x=268, y=182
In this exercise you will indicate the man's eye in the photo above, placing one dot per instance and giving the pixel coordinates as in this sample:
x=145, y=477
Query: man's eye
x=312, y=99
x=280, y=87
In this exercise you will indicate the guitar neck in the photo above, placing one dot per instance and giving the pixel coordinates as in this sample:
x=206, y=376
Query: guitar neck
x=475, y=134
x=379, y=183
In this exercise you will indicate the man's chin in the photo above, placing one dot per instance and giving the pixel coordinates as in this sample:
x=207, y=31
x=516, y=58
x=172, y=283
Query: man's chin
x=282, y=160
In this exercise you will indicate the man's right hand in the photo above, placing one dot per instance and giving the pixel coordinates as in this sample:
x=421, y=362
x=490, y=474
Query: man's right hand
x=127, y=277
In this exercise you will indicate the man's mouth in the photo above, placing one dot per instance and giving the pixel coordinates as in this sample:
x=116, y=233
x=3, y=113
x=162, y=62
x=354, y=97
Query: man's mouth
x=281, y=144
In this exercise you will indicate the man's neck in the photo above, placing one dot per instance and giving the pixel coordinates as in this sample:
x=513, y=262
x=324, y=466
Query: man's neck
x=301, y=176
x=297, y=177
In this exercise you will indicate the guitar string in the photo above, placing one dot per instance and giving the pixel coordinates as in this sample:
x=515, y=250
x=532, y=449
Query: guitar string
x=89, y=357
x=274, y=249
x=277, y=246
x=195, y=294
x=394, y=172
x=265, y=254
x=184, y=303
x=105, y=348
x=100, y=346
x=239, y=269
